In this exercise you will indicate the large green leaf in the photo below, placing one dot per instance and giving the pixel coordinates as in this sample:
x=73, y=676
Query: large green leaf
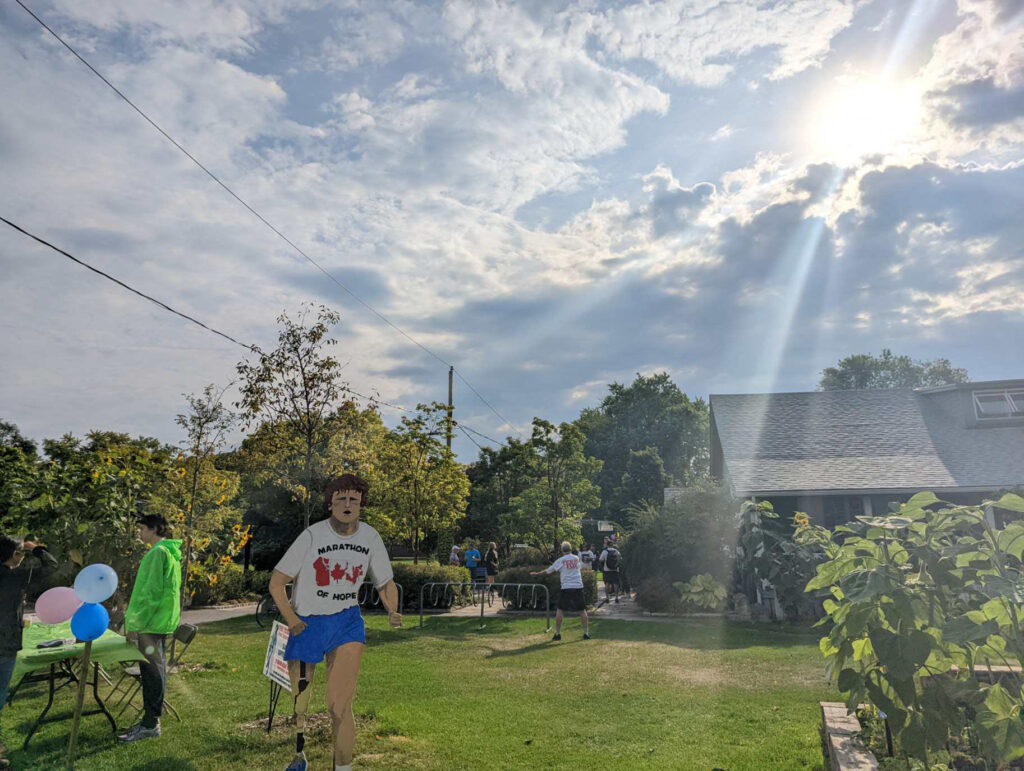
x=1011, y=539
x=849, y=679
x=1012, y=502
x=920, y=500
x=902, y=654
x=863, y=585
x=962, y=630
x=1000, y=716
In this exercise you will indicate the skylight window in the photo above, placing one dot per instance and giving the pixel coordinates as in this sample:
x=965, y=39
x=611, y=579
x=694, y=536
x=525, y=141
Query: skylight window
x=999, y=405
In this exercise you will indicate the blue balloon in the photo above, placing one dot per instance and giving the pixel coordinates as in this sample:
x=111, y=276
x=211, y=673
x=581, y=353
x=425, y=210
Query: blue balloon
x=95, y=583
x=89, y=622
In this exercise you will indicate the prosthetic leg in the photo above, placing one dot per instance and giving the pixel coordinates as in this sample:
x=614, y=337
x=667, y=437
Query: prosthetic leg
x=301, y=675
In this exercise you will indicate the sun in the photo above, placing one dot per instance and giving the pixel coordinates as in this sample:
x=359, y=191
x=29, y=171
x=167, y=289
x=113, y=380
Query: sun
x=864, y=117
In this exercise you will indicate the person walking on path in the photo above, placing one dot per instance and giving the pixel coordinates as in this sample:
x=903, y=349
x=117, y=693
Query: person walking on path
x=587, y=557
x=472, y=559
x=328, y=562
x=453, y=557
x=611, y=559
x=491, y=561
x=570, y=596
x=14, y=579
x=154, y=612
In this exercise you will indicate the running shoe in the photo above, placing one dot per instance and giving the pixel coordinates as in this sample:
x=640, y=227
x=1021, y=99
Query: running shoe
x=586, y=636
x=557, y=637
x=298, y=764
x=139, y=732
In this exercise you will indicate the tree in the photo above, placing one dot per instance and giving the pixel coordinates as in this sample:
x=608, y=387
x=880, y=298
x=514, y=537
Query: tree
x=650, y=412
x=297, y=384
x=863, y=370
x=561, y=491
x=416, y=486
x=644, y=480
x=495, y=479
x=205, y=424
x=18, y=467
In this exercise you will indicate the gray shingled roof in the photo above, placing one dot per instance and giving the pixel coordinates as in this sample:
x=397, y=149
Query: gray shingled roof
x=896, y=439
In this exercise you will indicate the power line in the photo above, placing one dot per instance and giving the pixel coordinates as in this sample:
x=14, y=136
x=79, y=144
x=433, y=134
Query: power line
x=474, y=441
x=481, y=398
x=255, y=213
x=165, y=306
x=484, y=436
x=107, y=276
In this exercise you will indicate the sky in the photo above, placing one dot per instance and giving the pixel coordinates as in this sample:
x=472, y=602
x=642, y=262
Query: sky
x=552, y=196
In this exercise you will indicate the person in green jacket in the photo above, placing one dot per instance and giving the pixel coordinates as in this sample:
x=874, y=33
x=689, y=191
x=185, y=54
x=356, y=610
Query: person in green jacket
x=153, y=613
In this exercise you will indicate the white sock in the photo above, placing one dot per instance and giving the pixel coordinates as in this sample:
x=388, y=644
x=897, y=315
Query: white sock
x=346, y=767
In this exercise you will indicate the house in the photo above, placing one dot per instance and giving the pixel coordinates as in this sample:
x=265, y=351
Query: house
x=839, y=454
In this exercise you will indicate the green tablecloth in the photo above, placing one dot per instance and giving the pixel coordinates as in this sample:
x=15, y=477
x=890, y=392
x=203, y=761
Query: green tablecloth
x=107, y=651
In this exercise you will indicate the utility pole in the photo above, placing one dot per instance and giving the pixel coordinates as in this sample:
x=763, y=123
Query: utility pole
x=451, y=407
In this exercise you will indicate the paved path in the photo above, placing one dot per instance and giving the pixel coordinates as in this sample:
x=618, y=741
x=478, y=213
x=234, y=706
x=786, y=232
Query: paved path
x=217, y=613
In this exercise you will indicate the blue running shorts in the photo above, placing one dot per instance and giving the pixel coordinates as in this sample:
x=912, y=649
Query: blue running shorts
x=325, y=633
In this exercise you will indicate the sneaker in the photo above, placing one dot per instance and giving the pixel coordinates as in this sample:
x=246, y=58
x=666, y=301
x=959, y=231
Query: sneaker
x=616, y=600
x=586, y=636
x=298, y=764
x=139, y=732
x=557, y=637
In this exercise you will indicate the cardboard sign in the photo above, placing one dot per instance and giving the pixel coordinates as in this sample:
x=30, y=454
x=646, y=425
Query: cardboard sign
x=274, y=666
x=604, y=527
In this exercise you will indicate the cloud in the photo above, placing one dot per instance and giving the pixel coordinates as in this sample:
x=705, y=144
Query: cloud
x=702, y=42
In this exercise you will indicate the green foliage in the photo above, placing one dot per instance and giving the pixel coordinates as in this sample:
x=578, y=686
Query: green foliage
x=495, y=479
x=651, y=412
x=296, y=387
x=889, y=371
x=643, y=482
x=702, y=591
x=527, y=600
x=418, y=488
x=413, y=577
x=560, y=492
x=689, y=536
x=783, y=553
x=656, y=594
x=18, y=468
x=528, y=556
x=916, y=600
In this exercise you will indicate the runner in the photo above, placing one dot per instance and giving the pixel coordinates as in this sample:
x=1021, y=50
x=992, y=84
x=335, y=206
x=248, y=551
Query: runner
x=327, y=563
x=570, y=596
x=611, y=559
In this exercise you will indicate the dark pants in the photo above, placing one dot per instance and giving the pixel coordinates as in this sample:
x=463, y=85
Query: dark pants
x=6, y=670
x=154, y=677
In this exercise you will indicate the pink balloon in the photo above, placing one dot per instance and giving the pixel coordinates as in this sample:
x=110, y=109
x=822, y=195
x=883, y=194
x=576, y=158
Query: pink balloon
x=57, y=605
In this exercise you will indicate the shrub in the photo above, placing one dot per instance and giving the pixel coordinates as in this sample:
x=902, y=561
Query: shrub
x=229, y=584
x=527, y=557
x=527, y=599
x=702, y=592
x=413, y=577
x=657, y=595
x=692, y=535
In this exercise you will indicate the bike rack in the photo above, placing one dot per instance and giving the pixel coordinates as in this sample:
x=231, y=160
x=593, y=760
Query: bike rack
x=448, y=586
x=371, y=597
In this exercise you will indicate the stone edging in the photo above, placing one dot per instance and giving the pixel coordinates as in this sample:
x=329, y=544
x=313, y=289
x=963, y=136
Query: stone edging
x=840, y=736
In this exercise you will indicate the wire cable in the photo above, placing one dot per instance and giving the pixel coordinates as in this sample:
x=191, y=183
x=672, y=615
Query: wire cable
x=255, y=213
x=505, y=420
x=470, y=438
x=107, y=276
x=482, y=436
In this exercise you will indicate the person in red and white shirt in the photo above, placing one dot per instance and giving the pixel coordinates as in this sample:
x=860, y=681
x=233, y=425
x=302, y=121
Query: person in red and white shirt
x=570, y=596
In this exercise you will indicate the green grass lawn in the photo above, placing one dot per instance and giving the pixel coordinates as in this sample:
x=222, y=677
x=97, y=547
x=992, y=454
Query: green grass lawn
x=688, y=694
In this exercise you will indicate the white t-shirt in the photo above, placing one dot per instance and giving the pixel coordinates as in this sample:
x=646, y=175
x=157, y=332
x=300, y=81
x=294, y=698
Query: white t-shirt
x=568, y=566
x=329, y=568
x=588, y=558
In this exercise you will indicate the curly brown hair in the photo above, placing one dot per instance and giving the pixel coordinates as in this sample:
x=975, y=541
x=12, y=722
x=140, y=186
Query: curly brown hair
x=346, y=482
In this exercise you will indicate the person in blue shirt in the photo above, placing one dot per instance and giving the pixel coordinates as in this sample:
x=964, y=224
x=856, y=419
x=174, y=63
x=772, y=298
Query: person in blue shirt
x=473, y=557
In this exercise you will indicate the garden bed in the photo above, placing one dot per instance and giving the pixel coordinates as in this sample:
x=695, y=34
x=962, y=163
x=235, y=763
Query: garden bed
x=841, y=737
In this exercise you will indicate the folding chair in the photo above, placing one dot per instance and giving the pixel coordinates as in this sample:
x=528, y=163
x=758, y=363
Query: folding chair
x=183, y=637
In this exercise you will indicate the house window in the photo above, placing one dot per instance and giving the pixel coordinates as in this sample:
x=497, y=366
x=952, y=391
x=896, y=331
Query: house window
x=840, y=509
x=998, y=405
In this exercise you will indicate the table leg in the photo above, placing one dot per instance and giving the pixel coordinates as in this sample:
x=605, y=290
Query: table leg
x=99, y=701
x=39, y=720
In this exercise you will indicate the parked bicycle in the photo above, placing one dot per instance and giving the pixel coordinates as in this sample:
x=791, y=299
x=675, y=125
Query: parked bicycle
x=267, y=611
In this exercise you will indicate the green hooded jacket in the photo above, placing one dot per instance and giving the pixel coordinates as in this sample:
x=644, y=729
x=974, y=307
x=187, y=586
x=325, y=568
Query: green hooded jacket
x=155, y=606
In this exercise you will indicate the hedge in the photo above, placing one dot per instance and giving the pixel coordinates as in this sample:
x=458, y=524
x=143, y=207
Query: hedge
x=412, y=577
x=526, y=600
